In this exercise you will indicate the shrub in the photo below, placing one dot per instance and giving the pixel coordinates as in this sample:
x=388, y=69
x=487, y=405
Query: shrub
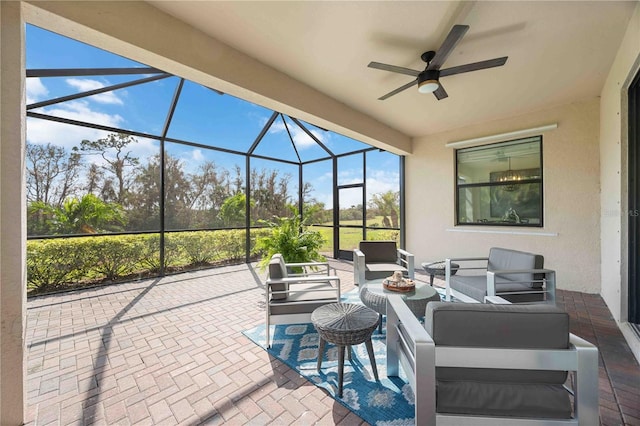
x=51, y=263
x=232, y=244
x=150, y=251
x=115, y=256
x=199, y=247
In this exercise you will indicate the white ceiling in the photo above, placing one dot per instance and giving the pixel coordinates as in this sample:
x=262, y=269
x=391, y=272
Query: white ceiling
x=559, y=52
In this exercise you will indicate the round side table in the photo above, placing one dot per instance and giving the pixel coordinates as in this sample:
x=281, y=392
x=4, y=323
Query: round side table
x=345, y=324
x=437, y=268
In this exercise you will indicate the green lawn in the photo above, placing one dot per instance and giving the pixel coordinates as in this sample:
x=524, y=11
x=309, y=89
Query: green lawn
x=351, y=237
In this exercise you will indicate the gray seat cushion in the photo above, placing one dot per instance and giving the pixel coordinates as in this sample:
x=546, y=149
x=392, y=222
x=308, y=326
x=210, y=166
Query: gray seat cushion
x=379, y=251
x=380, y=258
x=512, y=400
x=496, y=391
x=501, y=259
x=382, y=270
x=498, y=326
x=475, y=286
x=301, y=293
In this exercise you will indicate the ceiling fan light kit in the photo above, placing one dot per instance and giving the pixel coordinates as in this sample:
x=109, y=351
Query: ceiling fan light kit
x=428, y=81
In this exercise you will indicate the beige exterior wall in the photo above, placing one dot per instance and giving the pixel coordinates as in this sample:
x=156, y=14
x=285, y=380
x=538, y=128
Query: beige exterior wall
x=613, y=177
x=12, y=216
x=570, y=238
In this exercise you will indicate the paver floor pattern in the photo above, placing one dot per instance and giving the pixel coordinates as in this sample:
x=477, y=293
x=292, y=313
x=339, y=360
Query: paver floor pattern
x=170, y=351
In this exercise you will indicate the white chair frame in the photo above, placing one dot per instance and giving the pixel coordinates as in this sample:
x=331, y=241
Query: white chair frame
x=406, y=337
x=549, y=281
x=314, y=272
x=404, y=258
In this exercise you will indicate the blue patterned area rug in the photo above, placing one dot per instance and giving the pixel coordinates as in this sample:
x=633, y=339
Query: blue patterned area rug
x=386, y=402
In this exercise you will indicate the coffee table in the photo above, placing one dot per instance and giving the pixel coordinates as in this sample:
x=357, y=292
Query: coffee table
x=374, y=296
x=344, y=325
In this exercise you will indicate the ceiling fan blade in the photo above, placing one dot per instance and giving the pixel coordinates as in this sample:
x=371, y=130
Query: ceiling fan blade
x=491, y=63
x=453, y=38
x=398, y=90
x=393, y=68
x=440, y=93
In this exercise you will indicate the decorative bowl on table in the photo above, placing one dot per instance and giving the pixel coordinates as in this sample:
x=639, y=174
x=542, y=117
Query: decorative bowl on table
x=398, y=283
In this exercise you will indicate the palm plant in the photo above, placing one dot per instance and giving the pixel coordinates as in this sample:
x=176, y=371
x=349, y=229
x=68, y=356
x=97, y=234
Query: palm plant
x=290, y=237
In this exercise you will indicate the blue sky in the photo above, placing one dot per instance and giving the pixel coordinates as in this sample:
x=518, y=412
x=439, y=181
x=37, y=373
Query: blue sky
x=202, y=116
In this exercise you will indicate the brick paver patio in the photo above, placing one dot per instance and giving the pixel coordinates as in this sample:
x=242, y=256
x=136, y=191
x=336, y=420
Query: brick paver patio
x=170, y=351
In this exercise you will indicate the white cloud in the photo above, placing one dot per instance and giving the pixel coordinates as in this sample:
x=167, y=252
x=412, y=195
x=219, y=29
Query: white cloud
x=84, y=85
x=196, y=155
x=383, y=181
x=300, y=137
x=44, y=131
x=35, y=90
x=378, y=182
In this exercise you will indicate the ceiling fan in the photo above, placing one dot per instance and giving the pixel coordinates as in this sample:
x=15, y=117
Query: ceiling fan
x=428, y=81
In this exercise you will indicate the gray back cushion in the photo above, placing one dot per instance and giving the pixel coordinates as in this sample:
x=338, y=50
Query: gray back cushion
x=500, y=258
x=379, y=251
x=278, y=270
x=498, y=326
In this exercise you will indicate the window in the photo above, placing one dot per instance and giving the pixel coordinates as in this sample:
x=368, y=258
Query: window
x=500, y=184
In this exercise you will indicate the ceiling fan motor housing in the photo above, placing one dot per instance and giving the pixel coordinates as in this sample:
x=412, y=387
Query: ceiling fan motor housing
x=428, y=81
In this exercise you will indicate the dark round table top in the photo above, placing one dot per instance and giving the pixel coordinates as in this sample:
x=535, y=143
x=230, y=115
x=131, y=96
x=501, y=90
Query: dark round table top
x=438, y=268
x=344, y=323
x=343, y=317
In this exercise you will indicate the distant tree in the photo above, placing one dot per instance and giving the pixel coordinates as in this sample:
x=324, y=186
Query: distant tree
x=87, y=215
x=313, y=212
x=270, y=191
x=233, y=210
x=52, y=173
x=117, y=161
x=90, y=215
x=388, y=206
x=41, y=218
x=177, y=190
x=143, y=208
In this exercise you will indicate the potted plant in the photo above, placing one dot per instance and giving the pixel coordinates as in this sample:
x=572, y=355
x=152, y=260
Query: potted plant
x=290, y=237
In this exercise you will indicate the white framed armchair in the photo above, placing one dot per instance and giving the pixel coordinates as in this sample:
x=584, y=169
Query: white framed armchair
x=380, y=259
x=291, y=296
x=506, y=275
x=485, y=364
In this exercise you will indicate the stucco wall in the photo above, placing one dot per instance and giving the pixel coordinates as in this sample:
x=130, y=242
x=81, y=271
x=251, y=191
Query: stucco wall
x=571, y=197
x=12, y=216
x=613, y=176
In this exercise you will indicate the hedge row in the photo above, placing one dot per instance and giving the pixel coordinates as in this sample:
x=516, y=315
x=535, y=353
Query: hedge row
x=60, y=263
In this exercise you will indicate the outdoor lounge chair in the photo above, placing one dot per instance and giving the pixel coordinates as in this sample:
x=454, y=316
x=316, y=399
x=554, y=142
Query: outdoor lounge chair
x=511, y=275
x=485, y=364
x=380, y=259
x=292, y=296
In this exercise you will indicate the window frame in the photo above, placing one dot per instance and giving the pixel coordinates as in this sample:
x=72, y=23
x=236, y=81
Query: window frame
x=458, y=186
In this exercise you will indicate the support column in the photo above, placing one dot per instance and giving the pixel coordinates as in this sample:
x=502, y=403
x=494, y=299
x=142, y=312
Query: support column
x=12, y=215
